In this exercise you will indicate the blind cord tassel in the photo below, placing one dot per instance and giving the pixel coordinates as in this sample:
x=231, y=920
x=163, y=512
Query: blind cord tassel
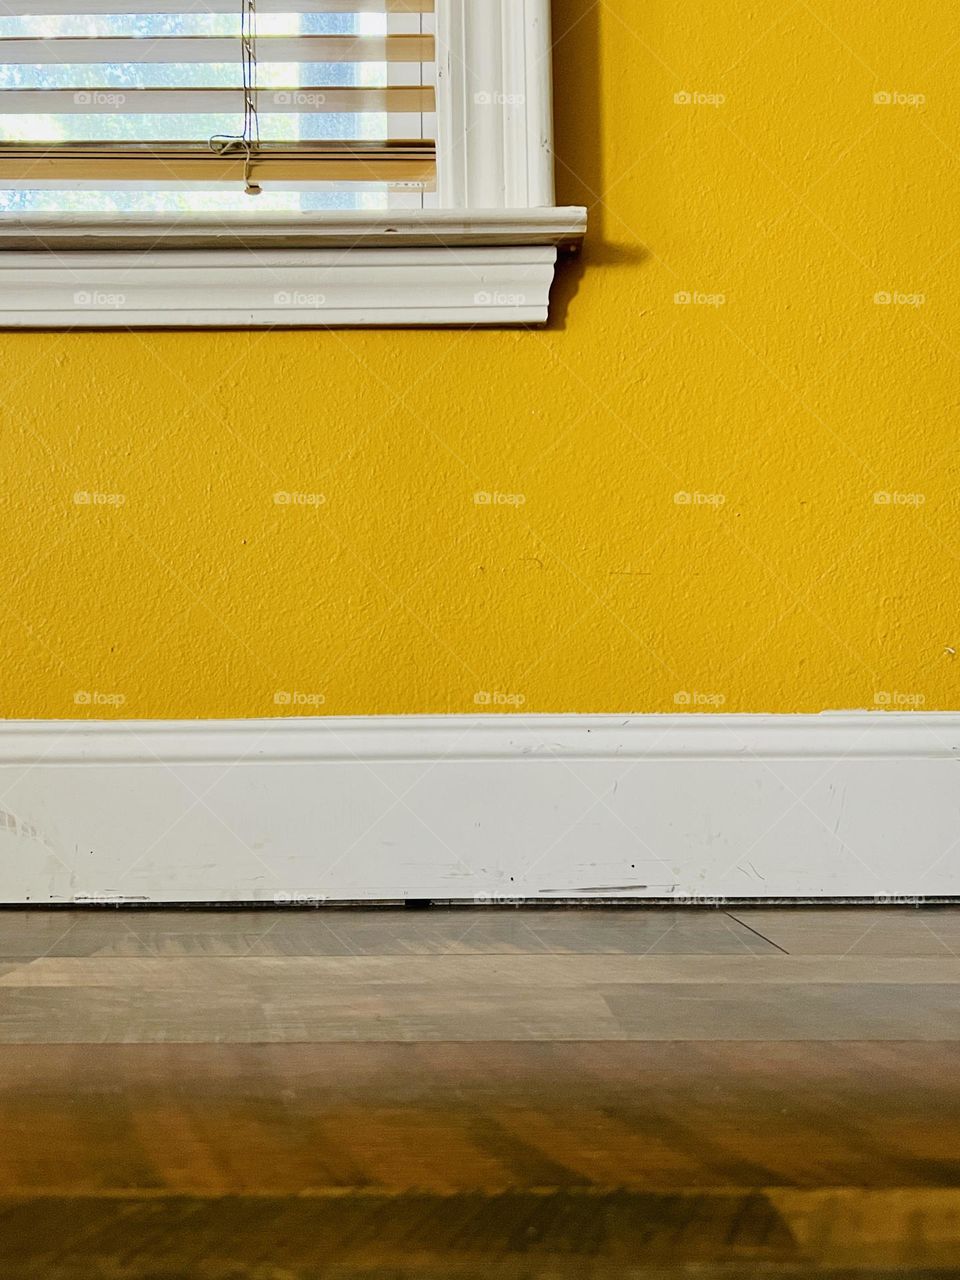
x=249, y=140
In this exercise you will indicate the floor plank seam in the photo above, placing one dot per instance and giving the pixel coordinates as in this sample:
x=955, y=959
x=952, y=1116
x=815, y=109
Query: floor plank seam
x=731, y=916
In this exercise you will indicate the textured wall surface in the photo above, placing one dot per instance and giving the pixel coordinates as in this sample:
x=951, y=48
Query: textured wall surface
x=789, y=168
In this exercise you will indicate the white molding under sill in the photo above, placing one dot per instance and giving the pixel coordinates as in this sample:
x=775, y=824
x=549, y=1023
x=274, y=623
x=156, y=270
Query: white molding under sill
x=276, y=288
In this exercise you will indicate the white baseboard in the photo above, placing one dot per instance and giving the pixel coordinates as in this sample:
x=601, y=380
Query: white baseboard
x=499, y=807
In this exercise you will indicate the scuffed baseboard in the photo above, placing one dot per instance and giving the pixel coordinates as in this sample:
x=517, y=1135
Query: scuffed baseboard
x=499, y=808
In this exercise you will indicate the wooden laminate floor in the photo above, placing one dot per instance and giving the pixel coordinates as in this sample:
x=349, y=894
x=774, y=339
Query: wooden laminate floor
x=538, y=1095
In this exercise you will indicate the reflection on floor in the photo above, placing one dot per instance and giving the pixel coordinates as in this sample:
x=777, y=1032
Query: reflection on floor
x=538, y=1095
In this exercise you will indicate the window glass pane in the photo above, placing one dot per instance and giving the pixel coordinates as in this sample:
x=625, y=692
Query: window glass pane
x=128, y=126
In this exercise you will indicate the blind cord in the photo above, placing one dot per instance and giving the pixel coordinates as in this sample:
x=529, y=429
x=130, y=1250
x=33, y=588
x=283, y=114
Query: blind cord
x=249, y=140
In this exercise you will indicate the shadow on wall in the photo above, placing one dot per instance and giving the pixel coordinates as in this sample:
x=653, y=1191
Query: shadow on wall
x=578, y=135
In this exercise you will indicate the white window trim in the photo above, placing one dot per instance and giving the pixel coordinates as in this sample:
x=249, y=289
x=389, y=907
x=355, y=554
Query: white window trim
x=486, y=257
x=495, y=104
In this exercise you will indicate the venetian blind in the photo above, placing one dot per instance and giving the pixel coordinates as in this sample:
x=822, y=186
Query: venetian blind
x=216, y=96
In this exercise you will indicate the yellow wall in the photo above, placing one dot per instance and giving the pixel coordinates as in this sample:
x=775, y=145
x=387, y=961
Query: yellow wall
x=798, y=198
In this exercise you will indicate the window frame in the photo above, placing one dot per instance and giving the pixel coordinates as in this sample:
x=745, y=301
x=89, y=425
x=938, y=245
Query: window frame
x=485, y=256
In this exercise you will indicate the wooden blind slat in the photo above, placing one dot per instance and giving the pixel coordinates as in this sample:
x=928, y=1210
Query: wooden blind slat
x=61, y=8
x=185, y=162
x=300, y=99
x=19, y=50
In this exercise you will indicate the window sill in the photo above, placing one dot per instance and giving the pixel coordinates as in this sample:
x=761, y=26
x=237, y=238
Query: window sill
x=429, y=268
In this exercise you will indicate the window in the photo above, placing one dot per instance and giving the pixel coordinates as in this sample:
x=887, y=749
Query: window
x=145, y=111
x=276, y=162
